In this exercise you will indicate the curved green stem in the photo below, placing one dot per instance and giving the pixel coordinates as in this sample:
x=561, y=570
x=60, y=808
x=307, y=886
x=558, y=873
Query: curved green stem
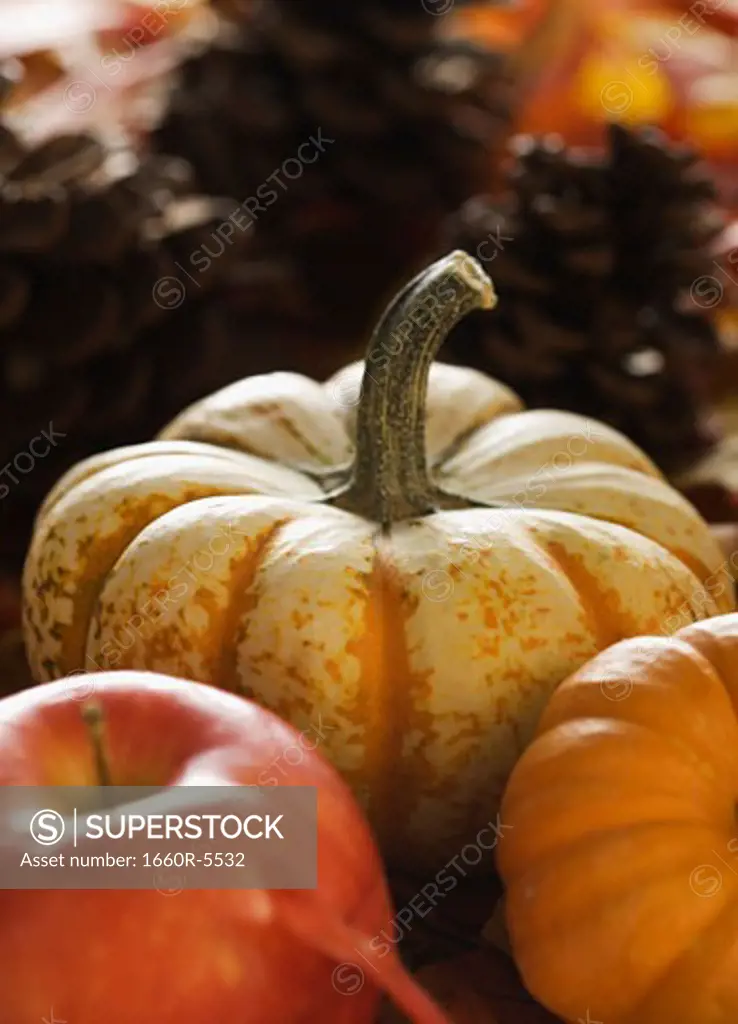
x=390, y=479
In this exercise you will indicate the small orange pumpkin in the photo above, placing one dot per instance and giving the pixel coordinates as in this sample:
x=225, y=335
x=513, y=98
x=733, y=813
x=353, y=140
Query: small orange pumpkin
x=621, y=847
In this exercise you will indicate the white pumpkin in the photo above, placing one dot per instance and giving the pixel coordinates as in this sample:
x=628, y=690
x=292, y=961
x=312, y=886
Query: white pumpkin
x=306, y=547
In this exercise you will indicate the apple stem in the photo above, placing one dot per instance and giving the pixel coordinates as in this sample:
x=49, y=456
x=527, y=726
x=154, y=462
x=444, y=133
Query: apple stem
x=94, y=720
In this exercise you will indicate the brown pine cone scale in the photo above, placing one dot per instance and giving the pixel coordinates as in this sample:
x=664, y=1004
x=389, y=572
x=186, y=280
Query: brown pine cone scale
x=415, y=121
x=593, y=257
x=87, y=343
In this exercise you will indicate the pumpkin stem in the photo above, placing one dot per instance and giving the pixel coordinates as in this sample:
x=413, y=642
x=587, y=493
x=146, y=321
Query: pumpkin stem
x=390, y=479
x=95, y=722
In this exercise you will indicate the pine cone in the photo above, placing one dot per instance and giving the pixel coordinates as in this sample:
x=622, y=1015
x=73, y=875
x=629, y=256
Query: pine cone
x=593, y=258
x=351, y=128
x=102, y=336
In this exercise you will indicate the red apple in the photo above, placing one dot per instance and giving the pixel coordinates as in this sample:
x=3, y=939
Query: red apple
x=200, y=956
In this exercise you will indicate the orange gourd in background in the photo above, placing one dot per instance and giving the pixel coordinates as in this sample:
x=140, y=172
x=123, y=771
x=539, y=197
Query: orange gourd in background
x=658, y=62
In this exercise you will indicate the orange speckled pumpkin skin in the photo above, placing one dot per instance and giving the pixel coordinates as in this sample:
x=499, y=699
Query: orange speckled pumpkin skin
x=418, y=655
x=621, y=859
